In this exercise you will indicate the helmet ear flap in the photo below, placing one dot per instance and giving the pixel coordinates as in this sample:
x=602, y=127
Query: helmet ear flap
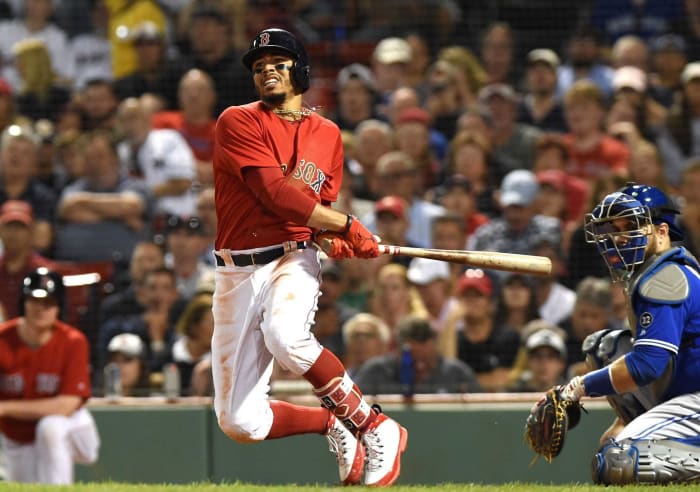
x=301, y=76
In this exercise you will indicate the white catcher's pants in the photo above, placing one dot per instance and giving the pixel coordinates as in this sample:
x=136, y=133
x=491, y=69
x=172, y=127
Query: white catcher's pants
x=261, y=313
x=60, y=442
x=673, y=419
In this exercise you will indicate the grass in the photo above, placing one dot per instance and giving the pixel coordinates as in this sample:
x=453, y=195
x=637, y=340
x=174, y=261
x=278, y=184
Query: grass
x=243, y=487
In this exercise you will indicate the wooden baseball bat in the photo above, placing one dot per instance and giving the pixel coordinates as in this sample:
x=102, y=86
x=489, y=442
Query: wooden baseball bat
x=510, y=262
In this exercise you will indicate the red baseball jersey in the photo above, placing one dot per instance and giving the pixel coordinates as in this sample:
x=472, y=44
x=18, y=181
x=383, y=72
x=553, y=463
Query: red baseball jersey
x=59, y=367
x=308, y=151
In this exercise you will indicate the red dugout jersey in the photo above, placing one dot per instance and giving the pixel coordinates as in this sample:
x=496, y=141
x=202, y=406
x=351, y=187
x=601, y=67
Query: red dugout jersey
x=59, y=367
x=309, y=152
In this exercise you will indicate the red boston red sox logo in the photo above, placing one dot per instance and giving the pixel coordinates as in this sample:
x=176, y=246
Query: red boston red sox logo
x=264, y=39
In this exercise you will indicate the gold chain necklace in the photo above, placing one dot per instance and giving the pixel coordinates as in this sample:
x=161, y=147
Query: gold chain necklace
x=295, y=114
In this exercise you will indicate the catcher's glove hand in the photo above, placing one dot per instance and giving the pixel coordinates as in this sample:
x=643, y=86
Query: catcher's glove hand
x=549, y=421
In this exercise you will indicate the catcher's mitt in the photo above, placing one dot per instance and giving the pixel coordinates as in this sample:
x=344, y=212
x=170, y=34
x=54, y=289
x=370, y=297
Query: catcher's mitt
x=548, y=423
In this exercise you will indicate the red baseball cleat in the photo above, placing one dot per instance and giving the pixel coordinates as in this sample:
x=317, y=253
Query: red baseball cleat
x=348, y=451
x=384, y=441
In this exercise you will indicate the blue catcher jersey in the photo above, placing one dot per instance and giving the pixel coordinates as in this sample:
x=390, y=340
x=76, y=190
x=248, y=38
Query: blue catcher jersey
x=666, y=302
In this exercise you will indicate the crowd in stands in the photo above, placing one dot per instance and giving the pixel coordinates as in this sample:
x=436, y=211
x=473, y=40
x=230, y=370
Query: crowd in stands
x=465, y=127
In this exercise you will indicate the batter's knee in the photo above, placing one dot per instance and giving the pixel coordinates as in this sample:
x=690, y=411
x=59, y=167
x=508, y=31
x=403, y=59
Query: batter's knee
x=243, y=430
x=293, y=353
x=51, y=430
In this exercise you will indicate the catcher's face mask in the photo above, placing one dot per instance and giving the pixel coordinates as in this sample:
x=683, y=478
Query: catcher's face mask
x=619, y=227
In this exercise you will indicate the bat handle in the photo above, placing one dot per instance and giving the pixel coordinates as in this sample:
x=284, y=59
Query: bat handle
x=389, y=249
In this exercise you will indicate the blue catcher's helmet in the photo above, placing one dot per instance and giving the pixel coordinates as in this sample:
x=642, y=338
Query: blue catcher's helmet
x=283, y=41
x=661, y=208
x=619, y=227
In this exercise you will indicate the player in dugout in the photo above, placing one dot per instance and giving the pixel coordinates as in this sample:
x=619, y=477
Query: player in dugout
x=44, y=383
x=277, y=168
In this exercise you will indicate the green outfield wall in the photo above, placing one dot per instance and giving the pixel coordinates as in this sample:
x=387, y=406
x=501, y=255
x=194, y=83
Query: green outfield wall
x=480, y=443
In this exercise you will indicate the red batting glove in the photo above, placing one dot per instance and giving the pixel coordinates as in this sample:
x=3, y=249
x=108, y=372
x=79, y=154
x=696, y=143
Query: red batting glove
x=334, y=245
x=363, y=242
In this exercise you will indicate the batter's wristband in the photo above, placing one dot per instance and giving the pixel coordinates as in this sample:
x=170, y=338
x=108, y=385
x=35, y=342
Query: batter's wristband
x=348, y=223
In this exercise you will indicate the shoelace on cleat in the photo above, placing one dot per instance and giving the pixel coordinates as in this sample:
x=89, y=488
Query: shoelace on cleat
x=337, y=442
x=374, y=451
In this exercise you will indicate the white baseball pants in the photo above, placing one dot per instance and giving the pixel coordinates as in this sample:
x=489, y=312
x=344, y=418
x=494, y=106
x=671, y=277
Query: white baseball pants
x=261, y=313
x=673, y=419
x=60, y=442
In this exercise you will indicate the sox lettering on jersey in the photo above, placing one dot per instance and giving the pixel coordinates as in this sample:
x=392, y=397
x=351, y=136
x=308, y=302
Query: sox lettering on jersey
x=310, y=174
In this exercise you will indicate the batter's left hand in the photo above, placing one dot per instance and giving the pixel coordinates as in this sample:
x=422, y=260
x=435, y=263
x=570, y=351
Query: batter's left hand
x=334, y=245
x=364, y=243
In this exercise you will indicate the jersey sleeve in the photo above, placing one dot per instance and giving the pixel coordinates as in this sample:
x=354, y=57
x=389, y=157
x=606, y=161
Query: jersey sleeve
x=660, y=325
x=333, y=182
x=239, y=138
x=75, y=379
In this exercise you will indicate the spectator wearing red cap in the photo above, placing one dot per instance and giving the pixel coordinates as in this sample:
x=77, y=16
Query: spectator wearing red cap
x=19, y=154
x=408, y=97
x=391, y=213
x=473, y=335
x=19, y=257
x=412, y=130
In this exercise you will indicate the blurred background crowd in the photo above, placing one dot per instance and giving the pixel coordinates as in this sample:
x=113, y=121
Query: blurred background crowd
x=466, y=125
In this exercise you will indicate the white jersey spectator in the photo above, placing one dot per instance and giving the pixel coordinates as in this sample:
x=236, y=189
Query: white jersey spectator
x=162, y=158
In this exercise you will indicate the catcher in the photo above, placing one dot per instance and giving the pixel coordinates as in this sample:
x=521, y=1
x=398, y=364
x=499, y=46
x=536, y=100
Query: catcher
x=651, y=374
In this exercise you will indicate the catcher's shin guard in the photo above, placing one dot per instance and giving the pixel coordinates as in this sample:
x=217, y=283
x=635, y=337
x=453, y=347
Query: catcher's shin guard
x=345, y=402
x=646, y=461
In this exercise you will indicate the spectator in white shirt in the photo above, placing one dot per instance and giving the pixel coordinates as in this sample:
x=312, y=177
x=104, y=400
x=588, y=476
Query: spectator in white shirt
x=161, y=158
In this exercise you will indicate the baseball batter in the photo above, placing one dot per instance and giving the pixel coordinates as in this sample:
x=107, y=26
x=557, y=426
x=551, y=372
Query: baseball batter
x=44, y=382
x=650, y=375
x=277, y=168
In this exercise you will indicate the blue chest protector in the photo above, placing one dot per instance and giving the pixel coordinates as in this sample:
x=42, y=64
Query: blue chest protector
x=666, y=303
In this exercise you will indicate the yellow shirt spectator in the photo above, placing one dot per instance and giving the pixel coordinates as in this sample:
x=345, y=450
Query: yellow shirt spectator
x=124, y=15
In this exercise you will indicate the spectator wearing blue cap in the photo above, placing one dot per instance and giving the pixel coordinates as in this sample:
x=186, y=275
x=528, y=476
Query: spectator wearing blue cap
x=520, y=228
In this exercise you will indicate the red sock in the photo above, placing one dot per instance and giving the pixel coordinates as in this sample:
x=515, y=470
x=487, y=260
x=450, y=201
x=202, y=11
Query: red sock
x=290, y=420
x=325, y=375
x=326, y=367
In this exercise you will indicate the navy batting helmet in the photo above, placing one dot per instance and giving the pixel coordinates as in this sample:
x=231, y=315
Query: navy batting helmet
x=280, y=40
x=42, y=283
x=661, y=208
